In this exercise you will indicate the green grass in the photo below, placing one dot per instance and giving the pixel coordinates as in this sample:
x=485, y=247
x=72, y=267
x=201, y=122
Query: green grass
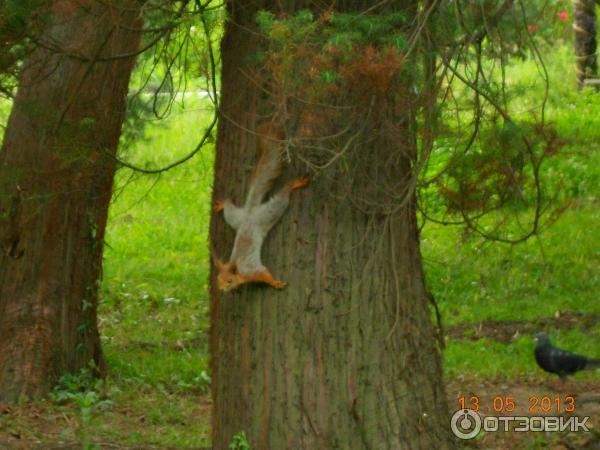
x=154, y=306
x=553, y=273
x=476, y=283
x=474, y=280
x=489, y=359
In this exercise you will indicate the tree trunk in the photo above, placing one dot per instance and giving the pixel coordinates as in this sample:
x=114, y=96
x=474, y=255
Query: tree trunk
x=344, y=356
x=56, y=172
x=584, y=25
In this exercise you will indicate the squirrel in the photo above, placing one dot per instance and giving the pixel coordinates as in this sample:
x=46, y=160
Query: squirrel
x=253, y=221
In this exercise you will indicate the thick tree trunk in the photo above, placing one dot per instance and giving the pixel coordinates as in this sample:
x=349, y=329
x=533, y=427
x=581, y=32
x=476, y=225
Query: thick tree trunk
x=584, y=25
x=345, y=356
x=56, y=172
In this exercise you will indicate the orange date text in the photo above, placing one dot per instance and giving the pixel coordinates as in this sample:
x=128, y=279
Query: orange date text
x=538, y=404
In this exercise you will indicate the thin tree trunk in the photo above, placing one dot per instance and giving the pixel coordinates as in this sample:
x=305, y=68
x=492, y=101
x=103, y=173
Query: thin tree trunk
x=345, y=356
x=56, y=173
x=584, y=26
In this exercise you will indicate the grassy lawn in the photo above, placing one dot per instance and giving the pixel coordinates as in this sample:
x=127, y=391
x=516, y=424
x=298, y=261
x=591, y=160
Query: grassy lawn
x=154, y=304
x=505, y=294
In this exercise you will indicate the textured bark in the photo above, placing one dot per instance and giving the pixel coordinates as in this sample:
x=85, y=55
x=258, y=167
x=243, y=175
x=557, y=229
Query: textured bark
x=584, y=26
x=345, y=356
x=56, y=172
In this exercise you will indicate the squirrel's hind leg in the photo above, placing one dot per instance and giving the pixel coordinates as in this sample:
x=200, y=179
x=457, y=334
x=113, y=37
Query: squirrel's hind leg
x=298, y=183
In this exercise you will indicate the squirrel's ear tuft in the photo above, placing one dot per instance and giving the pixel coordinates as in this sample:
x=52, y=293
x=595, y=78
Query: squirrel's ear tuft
x=220, y=265
x=232, y=267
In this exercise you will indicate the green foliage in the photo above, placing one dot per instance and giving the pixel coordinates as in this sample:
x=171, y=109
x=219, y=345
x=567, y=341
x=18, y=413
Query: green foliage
x=346, y=31
x=15, y=15
x=20, y=20
x=239, y=442
x=5, y=107
x=88, y=394
x=341, y=52
x=179, y=62
x=380, y=30
x=568, y=143
x=507, y=34
x=74, y=384
x=494, y=133
x=282, y=33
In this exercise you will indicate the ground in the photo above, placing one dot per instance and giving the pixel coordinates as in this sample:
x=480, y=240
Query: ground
x=129, y=413
x=586, y=395
x=45, y=426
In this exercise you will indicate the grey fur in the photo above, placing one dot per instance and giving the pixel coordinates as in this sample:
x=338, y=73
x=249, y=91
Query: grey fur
x=253, y=224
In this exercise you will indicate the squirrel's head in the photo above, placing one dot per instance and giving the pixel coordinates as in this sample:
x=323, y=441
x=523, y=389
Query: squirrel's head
x=228, y=277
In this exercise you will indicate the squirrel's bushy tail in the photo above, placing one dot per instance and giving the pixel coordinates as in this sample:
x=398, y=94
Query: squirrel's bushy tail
x=269, y=165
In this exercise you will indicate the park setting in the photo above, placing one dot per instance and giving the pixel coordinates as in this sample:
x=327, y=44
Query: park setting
x=299, y=225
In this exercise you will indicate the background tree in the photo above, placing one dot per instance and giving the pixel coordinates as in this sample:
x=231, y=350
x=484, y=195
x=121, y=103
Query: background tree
x=584, y=26
x=56, y=171
x=59, y=158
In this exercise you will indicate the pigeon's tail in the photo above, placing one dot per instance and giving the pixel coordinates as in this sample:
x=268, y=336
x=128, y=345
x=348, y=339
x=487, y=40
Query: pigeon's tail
x=592, y=364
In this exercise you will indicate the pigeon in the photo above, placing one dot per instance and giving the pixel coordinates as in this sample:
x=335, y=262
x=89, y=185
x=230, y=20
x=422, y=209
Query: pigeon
x=558, y=361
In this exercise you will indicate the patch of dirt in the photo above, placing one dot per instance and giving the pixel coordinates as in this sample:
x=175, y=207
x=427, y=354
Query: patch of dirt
x=506, y=331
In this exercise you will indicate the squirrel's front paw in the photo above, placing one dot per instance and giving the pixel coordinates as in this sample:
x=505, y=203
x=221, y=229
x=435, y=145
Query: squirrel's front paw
x=219, y=206
x=278, y=284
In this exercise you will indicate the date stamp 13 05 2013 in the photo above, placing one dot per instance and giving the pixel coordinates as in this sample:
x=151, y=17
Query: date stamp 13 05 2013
x=506, y=413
